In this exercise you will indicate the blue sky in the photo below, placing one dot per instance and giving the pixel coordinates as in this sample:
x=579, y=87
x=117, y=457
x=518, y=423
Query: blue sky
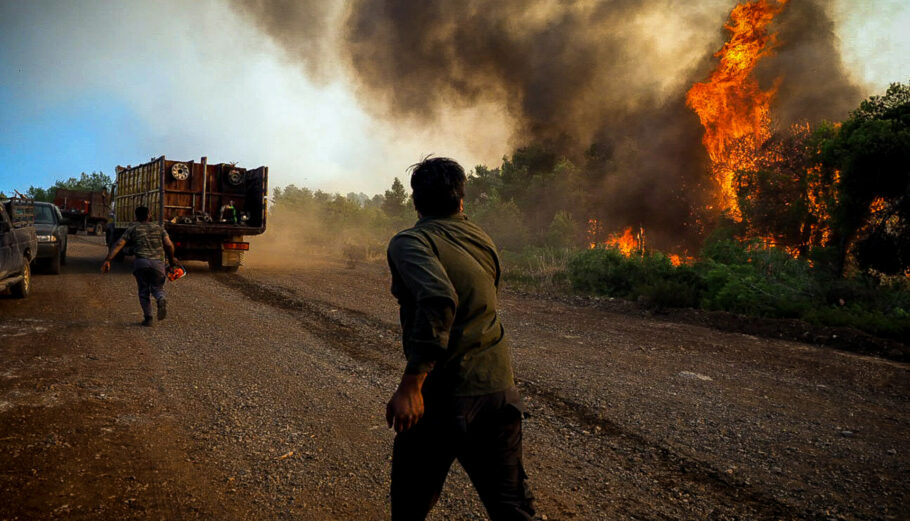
x=43, y=143
x=85, y=86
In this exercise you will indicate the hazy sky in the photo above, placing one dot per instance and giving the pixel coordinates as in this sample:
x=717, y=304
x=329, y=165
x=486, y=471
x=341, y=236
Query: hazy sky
x=87, y=85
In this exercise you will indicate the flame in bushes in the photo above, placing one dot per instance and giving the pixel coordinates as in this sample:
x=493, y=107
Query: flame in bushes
x=733, y=109
x=628, y=242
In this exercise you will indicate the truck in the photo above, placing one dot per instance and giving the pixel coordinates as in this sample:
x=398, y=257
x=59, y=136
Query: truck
x=18, y=245
x=84, y=210
x=206, y=209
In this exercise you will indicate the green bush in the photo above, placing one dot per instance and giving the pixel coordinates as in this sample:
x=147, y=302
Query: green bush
x=564, y=231
x=603, y=272
x=537, y=269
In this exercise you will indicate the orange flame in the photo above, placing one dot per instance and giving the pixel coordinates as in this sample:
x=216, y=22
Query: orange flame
x=626, y=243
x=733, y=109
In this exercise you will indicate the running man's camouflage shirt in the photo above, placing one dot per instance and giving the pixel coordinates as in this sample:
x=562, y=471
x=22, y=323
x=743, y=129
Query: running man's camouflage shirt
x=146, y=239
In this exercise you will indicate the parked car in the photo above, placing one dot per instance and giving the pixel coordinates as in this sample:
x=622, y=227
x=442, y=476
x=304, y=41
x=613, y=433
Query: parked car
x=51, y=228
x=18, y=246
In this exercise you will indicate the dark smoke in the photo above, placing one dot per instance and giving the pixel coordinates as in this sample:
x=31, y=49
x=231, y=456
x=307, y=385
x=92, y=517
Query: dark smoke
x=301, y=27
x=814, y=84
x=575, y=77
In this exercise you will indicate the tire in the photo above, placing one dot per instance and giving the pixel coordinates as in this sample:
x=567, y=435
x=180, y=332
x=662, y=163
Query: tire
x=24, y=286
x=216, y=266
x=54, y=265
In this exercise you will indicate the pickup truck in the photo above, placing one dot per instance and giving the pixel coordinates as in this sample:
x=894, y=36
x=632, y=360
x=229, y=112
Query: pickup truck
x=18, y=246
x=51, y=227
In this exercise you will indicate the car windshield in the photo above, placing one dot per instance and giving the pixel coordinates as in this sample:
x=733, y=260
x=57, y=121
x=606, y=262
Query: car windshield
x=44, y=214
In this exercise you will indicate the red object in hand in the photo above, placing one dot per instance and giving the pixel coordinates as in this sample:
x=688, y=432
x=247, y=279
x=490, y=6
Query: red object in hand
x=175, y=272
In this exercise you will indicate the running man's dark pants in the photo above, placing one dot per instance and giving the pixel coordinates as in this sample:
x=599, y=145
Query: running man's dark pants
x=150, y=282
x=484, y=434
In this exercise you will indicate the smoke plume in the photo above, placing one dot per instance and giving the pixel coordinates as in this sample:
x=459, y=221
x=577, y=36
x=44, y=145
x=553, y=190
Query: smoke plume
x=578, y=77
x=814, y=84
x=301, y=27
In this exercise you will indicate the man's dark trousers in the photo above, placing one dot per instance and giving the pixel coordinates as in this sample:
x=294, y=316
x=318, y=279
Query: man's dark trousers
x=484, y=434
x=150, y=277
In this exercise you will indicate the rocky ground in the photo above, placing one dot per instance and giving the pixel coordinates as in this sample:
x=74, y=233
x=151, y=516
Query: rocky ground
x=262, y=397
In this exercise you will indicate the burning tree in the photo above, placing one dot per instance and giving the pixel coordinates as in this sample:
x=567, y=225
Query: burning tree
x=732, y=107
x=786, y=199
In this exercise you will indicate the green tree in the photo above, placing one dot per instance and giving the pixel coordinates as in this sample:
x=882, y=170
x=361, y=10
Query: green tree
x=483, y=183
x=88, y=182
x=95, y=181
x=564, y=231
x=395, y=203
x=41, y=194
x=871, y=153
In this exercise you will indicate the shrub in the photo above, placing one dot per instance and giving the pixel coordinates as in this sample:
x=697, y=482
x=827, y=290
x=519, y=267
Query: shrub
x=540, y=269
x=564, y=231
x=604, y=272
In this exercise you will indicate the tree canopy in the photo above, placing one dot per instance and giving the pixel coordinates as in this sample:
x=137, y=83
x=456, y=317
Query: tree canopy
x=88, y=182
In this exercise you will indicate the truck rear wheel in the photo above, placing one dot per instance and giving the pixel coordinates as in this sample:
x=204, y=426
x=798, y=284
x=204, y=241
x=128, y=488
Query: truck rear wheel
x=24, y=286
x=216, y=265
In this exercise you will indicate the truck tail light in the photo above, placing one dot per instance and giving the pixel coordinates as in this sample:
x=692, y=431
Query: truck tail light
x=236, y=246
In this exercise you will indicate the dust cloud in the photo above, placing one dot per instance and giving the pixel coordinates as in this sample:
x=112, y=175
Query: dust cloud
x=298, y=238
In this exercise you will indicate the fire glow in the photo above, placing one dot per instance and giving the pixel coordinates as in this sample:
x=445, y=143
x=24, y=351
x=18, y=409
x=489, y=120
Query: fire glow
x=628, y=243
x=736, y=115
x=732, y=107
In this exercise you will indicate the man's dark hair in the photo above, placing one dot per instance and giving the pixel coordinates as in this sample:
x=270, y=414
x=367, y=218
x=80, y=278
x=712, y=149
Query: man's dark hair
x=142, y=213
x=438, y=185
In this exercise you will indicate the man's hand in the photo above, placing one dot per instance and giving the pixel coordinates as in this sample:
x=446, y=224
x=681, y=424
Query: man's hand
x=106, y=267
x=405, y=408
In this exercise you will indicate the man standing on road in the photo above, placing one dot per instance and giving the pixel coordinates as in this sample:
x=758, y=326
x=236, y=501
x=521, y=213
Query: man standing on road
x=457, y=397
x=150, y=243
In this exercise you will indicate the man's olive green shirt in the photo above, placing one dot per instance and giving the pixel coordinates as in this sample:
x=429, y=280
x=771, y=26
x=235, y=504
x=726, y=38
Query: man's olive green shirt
x=445, y=275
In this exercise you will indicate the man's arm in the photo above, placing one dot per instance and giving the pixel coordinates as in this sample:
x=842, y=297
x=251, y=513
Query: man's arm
x=426, y=340
x=169, y=250
x=106, y=266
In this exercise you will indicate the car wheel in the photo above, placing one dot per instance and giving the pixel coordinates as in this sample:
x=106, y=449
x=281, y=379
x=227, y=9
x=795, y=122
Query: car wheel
x=24, y=286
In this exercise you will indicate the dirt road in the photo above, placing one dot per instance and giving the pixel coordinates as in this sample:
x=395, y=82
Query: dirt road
x=261, y=397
